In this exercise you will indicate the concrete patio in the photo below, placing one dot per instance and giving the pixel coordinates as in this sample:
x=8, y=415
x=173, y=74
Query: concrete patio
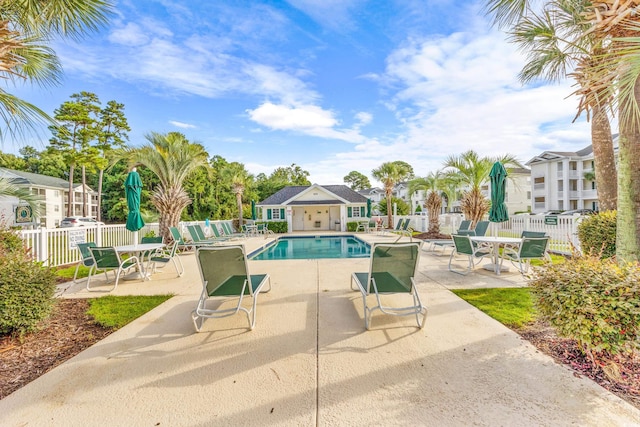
x=309, y=361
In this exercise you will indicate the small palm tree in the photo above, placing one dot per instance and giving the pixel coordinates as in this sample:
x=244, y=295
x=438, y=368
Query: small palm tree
x=473, y=171
x=391, y=173
x=172, y=158
x=239, y=179
x=432, y=184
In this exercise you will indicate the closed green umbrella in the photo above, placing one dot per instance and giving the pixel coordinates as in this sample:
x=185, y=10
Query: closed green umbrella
x=254, y=213
x=132, y=189
x=368, y=208
x=498, y=211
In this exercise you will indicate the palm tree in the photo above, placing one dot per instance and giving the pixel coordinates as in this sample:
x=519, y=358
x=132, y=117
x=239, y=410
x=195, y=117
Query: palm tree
x=9, y=189
x=432, y=184
x=473, y=171
x=556, y=49
x=451, y=188
x=172, y=158
x=25, y=29
x=391, y=173
x=239, y=179
x=614, y=75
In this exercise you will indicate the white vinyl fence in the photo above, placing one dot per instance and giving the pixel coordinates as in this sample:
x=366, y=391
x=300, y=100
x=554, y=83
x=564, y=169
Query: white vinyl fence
x=562, y=230
x=57, y=246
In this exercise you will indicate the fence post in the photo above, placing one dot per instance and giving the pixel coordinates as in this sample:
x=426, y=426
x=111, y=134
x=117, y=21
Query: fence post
x=44, y=246
x=99, y=235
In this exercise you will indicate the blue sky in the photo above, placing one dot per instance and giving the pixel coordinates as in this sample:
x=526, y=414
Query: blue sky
x=331, y=85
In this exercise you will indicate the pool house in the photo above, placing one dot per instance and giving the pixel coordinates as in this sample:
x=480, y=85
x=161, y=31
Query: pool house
x=314, y=207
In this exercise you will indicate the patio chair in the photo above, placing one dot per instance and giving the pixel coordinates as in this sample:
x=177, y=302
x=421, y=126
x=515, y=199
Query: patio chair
x=462, y=245
x=107, y=258
x=531, y=248
x=462, y=230
x=481, y=228
x=225, y=273
x=392, y=270
x=228, y=232
x=149, y=239
x=263, y=228
x=526, y=233
x=87, y=259
x=363, y=226
x=163, y=256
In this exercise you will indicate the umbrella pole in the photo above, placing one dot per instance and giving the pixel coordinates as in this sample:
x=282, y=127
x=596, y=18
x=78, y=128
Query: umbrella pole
x=135, y=237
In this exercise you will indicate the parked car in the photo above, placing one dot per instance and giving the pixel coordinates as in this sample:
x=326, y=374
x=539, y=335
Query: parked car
x=79, y=221
x=551, y=212
x=579, y=212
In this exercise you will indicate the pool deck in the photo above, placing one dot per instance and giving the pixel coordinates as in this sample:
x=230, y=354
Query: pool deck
x=310, y=362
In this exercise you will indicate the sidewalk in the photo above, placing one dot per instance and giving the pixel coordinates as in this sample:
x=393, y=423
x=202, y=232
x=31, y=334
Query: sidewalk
x=309, y=361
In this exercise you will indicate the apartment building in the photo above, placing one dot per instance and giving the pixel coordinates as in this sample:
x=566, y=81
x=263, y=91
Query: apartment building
x=517, y=196
x=54, y=193
x=564, y=180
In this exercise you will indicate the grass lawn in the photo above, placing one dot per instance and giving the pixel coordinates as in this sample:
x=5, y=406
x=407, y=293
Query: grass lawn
x=116, y=311
x=510, y=306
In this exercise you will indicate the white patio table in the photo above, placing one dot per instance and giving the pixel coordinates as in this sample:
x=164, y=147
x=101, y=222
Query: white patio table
x=137, y=250
x=495, y=242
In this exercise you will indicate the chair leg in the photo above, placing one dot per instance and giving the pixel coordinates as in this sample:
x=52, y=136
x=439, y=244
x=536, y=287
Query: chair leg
x=75, y=274
x=367, y=313
x=469, y=268
x=198, y=321
x=179, y=271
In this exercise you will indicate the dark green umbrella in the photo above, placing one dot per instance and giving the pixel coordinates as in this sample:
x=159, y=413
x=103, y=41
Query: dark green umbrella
x=498, y=211
x=132, y=189
x=254, y=213
x=368, y=208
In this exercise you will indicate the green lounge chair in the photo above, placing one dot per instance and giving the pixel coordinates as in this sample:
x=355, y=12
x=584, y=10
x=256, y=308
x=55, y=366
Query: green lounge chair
x=462, y=245
x=198, y=238
x=177, y=236
x=392, y=270
x=107, y=258
x=530, y=248
x=225, y=274
x=229, y=233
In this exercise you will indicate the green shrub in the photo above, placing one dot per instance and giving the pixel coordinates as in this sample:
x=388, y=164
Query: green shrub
x=277, y=227
x=352, y=226
x=597, y=234
x=594, y=301
x=26, y=288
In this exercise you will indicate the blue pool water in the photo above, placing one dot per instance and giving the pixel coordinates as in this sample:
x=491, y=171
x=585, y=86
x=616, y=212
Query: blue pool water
x=308, y=247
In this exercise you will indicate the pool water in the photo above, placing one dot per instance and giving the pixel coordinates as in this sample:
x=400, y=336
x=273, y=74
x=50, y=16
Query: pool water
x=316, y=247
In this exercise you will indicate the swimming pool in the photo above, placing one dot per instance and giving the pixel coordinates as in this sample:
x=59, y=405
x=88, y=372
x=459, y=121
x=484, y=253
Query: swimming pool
x=314, y=247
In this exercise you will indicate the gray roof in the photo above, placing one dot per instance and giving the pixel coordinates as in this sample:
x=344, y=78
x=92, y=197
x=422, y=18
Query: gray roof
x=34, y=179
x=369, y=191
x=287, y=193
x=548, y=155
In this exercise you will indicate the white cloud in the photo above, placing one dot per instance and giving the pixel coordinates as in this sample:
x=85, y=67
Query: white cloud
x=334, y=14
x=182, y=125
x=457, y=93
x=306, y=119
x=130, y=35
